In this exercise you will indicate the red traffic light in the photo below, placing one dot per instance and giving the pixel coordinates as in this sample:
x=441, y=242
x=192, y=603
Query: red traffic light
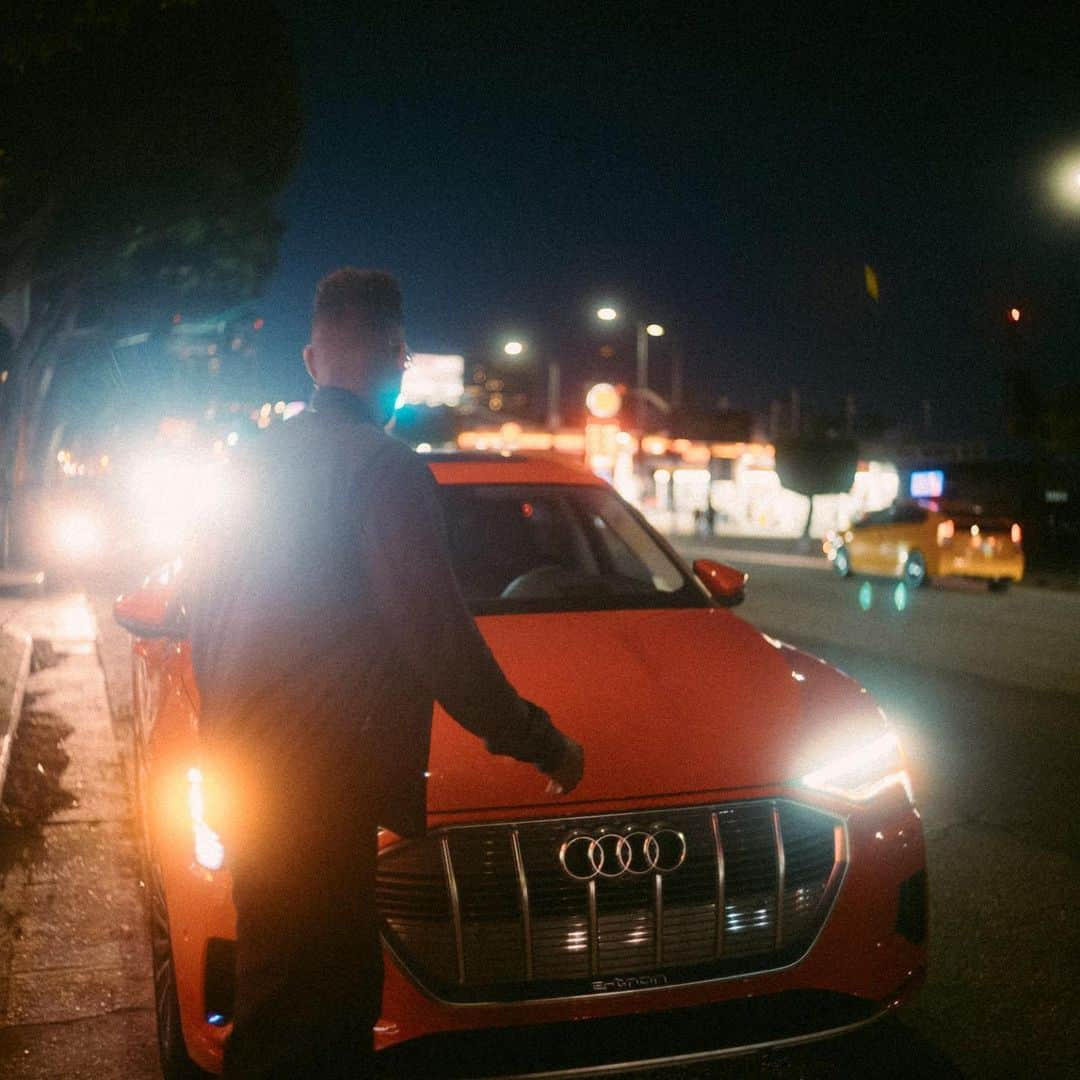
x=258, y=324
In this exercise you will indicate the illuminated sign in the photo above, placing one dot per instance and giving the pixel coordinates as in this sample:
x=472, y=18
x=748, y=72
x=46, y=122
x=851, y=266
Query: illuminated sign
x=603, y=401
x=433, y=379
x=927, y=484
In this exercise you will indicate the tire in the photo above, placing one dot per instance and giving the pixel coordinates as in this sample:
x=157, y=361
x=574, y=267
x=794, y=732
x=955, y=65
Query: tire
x=998, y=584
x=915, y=569
x=842, y=562
x=175, y=1063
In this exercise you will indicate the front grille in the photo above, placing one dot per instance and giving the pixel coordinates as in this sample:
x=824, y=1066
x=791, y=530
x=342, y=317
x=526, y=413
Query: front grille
x=489, y=913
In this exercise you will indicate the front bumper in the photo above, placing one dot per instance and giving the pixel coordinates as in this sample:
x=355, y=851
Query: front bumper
x=868, y=957
x=977, y=563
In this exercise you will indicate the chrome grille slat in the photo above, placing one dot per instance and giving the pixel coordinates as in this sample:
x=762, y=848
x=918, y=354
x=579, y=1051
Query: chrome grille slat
x=720, y=885
x=455, y=904
x=523, y=893
x=778, y=833
x=486, y=912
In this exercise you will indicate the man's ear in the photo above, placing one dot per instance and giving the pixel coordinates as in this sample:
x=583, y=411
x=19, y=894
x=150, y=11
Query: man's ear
x=309, y=362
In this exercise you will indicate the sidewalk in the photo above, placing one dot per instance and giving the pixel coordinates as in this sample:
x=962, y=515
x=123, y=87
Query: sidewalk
x=75, y=991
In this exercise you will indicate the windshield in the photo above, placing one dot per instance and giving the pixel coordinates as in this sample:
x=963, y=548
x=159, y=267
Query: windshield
x=525, y=548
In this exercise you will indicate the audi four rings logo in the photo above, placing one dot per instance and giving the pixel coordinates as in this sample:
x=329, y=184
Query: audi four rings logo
x=630, y=853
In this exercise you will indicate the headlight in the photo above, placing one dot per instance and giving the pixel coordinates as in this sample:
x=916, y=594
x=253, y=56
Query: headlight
x=209, y=850
x=77, y=535
x=864, y=772
x=170, y=494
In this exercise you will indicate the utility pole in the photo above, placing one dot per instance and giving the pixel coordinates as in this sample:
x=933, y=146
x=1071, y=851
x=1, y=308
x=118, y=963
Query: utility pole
x=676, y=375
x=554, y=392
x=775, y=409
x=642, y=375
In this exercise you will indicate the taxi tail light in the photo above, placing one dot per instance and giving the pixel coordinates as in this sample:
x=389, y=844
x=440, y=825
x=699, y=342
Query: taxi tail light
x=1016, y=534
x=946, y=530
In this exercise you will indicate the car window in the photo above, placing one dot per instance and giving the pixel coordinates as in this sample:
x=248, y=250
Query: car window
x=909, y=515
x=557, y=547
x=874, y=517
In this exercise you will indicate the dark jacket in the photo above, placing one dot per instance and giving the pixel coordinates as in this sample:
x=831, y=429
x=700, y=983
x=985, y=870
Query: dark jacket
x=325, y=618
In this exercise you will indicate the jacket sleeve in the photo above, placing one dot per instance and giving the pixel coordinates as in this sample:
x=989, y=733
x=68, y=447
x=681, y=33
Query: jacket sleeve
x=402, y=528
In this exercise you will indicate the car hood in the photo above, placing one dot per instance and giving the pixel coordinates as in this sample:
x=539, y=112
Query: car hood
x=665, y=703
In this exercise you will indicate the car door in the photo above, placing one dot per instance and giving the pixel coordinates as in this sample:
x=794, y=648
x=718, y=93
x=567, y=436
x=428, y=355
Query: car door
x=867, y=537
x=906, y=533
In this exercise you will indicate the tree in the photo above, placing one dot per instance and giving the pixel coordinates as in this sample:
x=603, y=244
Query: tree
x=142, y=143
x=816, y=465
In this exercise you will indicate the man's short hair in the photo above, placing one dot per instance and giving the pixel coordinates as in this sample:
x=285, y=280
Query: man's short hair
x=371, y=299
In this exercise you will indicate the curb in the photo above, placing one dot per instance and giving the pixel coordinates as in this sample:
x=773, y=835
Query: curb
x=15, y=652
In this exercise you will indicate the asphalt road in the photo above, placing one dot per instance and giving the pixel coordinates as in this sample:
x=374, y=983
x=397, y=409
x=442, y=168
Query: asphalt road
x=986, y=690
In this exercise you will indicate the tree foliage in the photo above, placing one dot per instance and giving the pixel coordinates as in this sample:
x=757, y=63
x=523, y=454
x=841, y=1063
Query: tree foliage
x=141, y=144
x=816, y=466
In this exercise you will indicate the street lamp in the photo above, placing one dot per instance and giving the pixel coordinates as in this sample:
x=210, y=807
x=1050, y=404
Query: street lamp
x=1065, y=179
x=516, y=349
x=644, y=332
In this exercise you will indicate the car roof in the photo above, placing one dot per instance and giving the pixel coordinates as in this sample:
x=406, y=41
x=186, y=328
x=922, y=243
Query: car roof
x=471, y=467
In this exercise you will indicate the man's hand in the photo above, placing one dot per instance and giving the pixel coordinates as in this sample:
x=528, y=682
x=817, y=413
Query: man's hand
x=567, y=775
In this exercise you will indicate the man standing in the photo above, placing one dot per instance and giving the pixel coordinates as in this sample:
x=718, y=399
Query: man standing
x=325, y=621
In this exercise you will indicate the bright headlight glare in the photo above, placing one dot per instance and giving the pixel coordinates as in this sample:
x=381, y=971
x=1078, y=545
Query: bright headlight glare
x=77, y=535
x=171, y=493
x=864, y=772
x=209, y=850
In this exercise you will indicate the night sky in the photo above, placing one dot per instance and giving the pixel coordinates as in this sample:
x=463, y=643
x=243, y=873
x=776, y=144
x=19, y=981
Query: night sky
x=727, y=174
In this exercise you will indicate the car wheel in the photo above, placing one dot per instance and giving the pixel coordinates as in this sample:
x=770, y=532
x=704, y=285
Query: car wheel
x=842, y=562
x=997, y=584
x=915, y=569
x=175, y=1063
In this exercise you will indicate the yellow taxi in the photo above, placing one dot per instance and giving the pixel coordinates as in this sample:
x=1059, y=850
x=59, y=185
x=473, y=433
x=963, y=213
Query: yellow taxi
x=918, y=541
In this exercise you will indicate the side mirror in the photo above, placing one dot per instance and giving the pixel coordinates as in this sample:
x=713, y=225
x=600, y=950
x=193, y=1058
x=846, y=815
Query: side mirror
x=726, y=585
x=151, y=612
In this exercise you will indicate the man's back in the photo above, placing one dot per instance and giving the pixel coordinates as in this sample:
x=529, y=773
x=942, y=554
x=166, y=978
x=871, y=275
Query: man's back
x=285, y=629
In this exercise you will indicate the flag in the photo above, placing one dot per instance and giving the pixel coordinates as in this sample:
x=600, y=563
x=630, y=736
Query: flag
x=870, y=274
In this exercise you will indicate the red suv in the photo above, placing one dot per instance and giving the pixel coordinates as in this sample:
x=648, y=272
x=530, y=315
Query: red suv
x=741, y=865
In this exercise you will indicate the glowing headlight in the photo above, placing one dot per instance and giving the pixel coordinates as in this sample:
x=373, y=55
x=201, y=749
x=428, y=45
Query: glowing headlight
x=77, y=535
x=209, y=850
x=171, y=493
x=864, y=772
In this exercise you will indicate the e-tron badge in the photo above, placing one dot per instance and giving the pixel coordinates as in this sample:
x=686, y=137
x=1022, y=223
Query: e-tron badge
x=632, y=852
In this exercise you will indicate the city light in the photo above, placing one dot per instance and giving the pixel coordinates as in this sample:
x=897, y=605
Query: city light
x=1014, y=314
x=513, y=348
x=607, y=314
x=654, y=330
x=1065, y=181
x=78, y=535
x=603, y=401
